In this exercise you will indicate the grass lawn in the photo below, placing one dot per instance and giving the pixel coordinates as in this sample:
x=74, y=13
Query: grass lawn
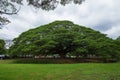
x=81, y=71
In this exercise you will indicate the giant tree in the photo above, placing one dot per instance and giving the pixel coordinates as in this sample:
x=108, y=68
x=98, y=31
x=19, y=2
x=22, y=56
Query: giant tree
x=63, y=38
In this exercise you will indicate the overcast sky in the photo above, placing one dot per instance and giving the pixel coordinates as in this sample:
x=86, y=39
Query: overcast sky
x=101, y=15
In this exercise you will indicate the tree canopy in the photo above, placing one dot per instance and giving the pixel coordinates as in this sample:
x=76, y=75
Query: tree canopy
x=9, y=7
x=65, y=39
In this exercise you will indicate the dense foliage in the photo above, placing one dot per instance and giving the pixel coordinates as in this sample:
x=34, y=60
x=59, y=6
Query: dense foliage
x=2, y=46
x=65, y=39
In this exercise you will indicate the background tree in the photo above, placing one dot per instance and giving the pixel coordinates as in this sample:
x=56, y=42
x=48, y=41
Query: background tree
x=2, y=47
x=9, y=7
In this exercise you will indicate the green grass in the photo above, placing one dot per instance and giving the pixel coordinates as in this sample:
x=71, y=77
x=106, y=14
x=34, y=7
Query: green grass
x=81, y=71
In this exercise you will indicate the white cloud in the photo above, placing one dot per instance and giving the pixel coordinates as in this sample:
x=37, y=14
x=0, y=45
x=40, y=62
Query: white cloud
x=114, y=31
x=102, y=15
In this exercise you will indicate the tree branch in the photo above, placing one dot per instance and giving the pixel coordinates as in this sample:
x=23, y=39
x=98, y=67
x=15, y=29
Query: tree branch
x=2, y=12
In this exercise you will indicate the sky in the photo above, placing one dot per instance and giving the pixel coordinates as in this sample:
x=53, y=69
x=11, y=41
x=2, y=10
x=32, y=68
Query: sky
x=100, y=15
